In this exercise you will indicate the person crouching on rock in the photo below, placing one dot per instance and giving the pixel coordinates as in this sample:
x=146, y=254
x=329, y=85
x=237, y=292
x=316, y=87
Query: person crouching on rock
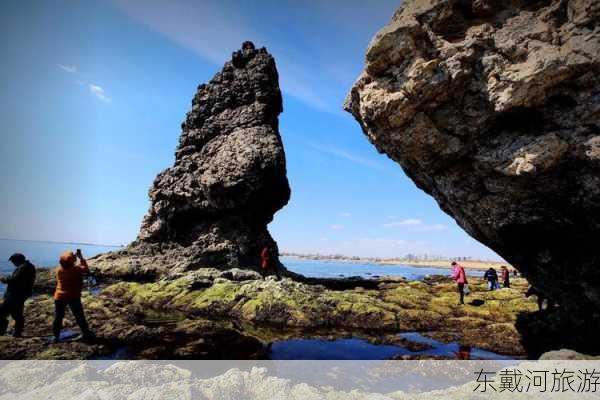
x=266, y=263
x=458, y=274
x=69, y=282
x=19, y=288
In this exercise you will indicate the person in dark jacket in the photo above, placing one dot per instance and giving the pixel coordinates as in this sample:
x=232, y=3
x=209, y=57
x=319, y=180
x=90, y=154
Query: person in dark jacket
x=491, y=276
x=19, y=287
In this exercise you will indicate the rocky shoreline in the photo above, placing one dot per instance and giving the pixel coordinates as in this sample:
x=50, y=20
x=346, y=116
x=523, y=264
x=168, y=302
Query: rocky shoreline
x=490, y=107
x=223, y=314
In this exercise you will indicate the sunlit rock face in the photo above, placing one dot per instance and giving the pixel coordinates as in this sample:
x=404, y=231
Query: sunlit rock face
x=212, y=207
x=493, y=108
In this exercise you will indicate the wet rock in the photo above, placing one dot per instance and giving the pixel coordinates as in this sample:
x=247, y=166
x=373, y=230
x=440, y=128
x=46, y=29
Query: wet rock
x=212, y=207
x=565, y=354
x=127, y=330
x=492, y=107
x=45, y=281
x=393, y=306
x=229, y=319
x=236, y=274
x=557, y=328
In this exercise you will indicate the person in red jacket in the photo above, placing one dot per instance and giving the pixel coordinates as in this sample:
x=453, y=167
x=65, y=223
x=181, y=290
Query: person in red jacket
x=69, y=283
x=266, y=262
x=458, y=274
x=505, y=275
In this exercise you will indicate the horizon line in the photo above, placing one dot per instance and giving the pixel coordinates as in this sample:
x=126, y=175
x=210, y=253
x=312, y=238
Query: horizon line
x=284, y=253
x=59, y=242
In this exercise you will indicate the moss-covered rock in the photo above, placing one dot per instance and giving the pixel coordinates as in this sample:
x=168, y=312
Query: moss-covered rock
x=180, y=318
x=487, y=320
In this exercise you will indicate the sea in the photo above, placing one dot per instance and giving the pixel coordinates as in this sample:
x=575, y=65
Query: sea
x=345, y=269
x=45, y=254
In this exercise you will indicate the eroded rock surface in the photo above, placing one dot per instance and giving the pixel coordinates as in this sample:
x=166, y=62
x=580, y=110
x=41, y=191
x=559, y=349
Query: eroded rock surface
x=212, y=207
x=230, y=318
x=493, y=108
x=487, y=321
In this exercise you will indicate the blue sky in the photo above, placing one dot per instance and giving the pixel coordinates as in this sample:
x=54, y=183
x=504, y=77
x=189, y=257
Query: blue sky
x=93, y=95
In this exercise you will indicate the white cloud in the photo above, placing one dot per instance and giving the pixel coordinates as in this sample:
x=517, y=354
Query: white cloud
x=404, y=222
x=72, y=69
x=337, y=227
x=346, y=155
x=213, y=29
x=371, y=247
x=428, y=228
x=415, y=225
x=98, y=92
x=346, y=214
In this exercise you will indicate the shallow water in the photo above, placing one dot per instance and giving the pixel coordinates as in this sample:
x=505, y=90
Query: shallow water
x=361, y=349
x=42, y=254
x=339, y=269
x=45, y=254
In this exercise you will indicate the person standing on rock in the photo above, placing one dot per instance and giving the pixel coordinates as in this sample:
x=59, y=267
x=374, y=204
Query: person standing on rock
x=69, y=282
x=266, y=262
x=458, y=274
x=505, y=275
x=491, y=276
x=19, y=288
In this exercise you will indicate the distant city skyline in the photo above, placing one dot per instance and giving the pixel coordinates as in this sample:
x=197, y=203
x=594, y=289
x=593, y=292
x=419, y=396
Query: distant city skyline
x=95, y=91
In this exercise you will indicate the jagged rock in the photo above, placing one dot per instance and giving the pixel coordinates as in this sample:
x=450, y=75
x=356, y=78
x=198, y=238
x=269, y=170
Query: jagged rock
x=493, y=108
x=236, y=274
x=212, y=207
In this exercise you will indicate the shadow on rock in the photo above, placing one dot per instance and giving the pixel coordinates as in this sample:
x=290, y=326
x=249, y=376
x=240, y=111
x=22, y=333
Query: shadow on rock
x=548, y=330
x=476, y=302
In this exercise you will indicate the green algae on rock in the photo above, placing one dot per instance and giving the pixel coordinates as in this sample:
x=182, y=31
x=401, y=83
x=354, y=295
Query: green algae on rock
x=181, y=318
x=487, y=323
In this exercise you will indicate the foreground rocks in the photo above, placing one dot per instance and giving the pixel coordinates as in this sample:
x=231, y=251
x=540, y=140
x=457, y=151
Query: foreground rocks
x=492, y=108
x=260, y=381
x=127, y=331
x=223, y=314
x=394, y=306
x=212, y=207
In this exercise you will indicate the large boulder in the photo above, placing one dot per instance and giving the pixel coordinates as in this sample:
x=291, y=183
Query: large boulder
x=212, y=207
x=493, y=108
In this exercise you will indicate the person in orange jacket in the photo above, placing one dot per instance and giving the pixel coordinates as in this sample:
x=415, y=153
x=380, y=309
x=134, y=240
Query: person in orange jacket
x=69, y=283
